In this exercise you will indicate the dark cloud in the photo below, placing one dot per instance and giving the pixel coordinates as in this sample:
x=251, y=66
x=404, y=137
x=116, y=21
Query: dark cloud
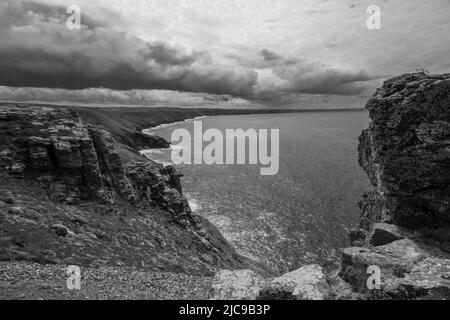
x=269, y=55
x=315, y=78
x=38, y=50
x=309, y=77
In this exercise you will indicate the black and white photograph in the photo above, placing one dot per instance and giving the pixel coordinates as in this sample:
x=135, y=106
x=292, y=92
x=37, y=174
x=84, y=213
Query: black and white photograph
x=225, y=154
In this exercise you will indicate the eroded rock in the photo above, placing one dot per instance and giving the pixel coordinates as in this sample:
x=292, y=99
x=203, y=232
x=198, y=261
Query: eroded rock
x=384, y=233
x=306, y=283
x=60, y=229
x=406, y=217
x=405, y=152
x=236, y=285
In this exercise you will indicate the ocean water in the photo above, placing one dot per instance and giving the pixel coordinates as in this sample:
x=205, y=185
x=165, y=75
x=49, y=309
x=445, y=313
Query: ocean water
x=300, y=215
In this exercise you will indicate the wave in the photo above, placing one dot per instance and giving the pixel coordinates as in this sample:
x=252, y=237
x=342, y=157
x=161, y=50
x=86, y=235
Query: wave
x=164, y=125
x=150, y=154
x=194, y=204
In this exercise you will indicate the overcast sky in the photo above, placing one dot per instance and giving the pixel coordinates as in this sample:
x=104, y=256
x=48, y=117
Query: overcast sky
x=305, y=53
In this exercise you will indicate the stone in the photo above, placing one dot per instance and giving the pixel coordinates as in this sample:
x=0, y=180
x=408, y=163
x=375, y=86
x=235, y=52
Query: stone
x=5, y=153
x=31, y=214
x=405, y=250
x=306, y=283
x=430, y=279
x=15, y=219
x=340, y=289
x=384, y=233
x=236, y=285
x=395, y=260
x=78, y=219
x=356, y=236
x=9, y=200
x=18, y=168
x=16, y=211
x=60, y=229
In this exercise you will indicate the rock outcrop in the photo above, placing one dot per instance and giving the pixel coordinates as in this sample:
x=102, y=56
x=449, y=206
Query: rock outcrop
x=77, y=162
x=405, y=219
x=401, y=246
x=69, y=196
x=236, y=285
x=306, y=283
x=148, y=141
x=406, y=153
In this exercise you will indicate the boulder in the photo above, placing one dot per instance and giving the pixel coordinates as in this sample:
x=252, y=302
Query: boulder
x=306, y=283
x=408, y=270
x=384, y=233
x=18, y=168
x=16, y=211
x=236, y=285
x=9, y=199
x=60, y=229
x=429, y=279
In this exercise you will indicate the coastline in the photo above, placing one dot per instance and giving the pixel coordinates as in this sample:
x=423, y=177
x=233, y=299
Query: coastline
x=126, y=124
x=410, y=247
x=163, y=125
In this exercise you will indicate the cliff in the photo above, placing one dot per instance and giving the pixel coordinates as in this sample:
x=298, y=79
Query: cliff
x=404, y=228
x=69, y=195
x=405, y=220
x=406, y=154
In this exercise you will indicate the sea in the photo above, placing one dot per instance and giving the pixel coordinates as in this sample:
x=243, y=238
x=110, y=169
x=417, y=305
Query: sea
x=299, y=216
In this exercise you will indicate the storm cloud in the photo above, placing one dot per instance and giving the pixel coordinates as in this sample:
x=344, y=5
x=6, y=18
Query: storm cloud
x=291, y=74
x=266, y=51
x=38, y=50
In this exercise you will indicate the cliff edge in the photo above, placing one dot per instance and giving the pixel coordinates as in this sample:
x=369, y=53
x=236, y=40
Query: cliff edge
x=69, y=196
x=404, y=228
x=401, y=246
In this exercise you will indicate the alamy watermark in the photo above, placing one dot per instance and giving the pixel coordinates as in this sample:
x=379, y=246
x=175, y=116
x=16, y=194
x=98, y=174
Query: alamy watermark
x=73, y=21
x=374, y=20
x=191, y=150
x=374, y=280
x=74, y=279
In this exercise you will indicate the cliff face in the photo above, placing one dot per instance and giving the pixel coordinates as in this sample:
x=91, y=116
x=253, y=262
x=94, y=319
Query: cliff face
x=406, y=152
x=405, y=220
x=67, y=195
x=401, y=247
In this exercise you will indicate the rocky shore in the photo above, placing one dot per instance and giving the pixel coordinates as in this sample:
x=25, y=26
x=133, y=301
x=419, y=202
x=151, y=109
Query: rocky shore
x=75, y=191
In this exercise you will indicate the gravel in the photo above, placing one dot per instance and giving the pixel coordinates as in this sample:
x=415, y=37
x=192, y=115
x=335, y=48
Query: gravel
x=31, y=281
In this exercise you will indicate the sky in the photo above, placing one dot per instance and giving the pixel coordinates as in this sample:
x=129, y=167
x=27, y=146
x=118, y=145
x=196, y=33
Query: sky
x=278, y=53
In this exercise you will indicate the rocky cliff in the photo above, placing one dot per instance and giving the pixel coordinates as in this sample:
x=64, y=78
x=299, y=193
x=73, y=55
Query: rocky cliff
x=404, y=228
x=69, y=196
x=406, y=153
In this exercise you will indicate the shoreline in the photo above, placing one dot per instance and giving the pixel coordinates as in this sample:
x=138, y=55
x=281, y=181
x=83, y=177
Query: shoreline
x=149, y=117
x=126, y=124
x=164, y=125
